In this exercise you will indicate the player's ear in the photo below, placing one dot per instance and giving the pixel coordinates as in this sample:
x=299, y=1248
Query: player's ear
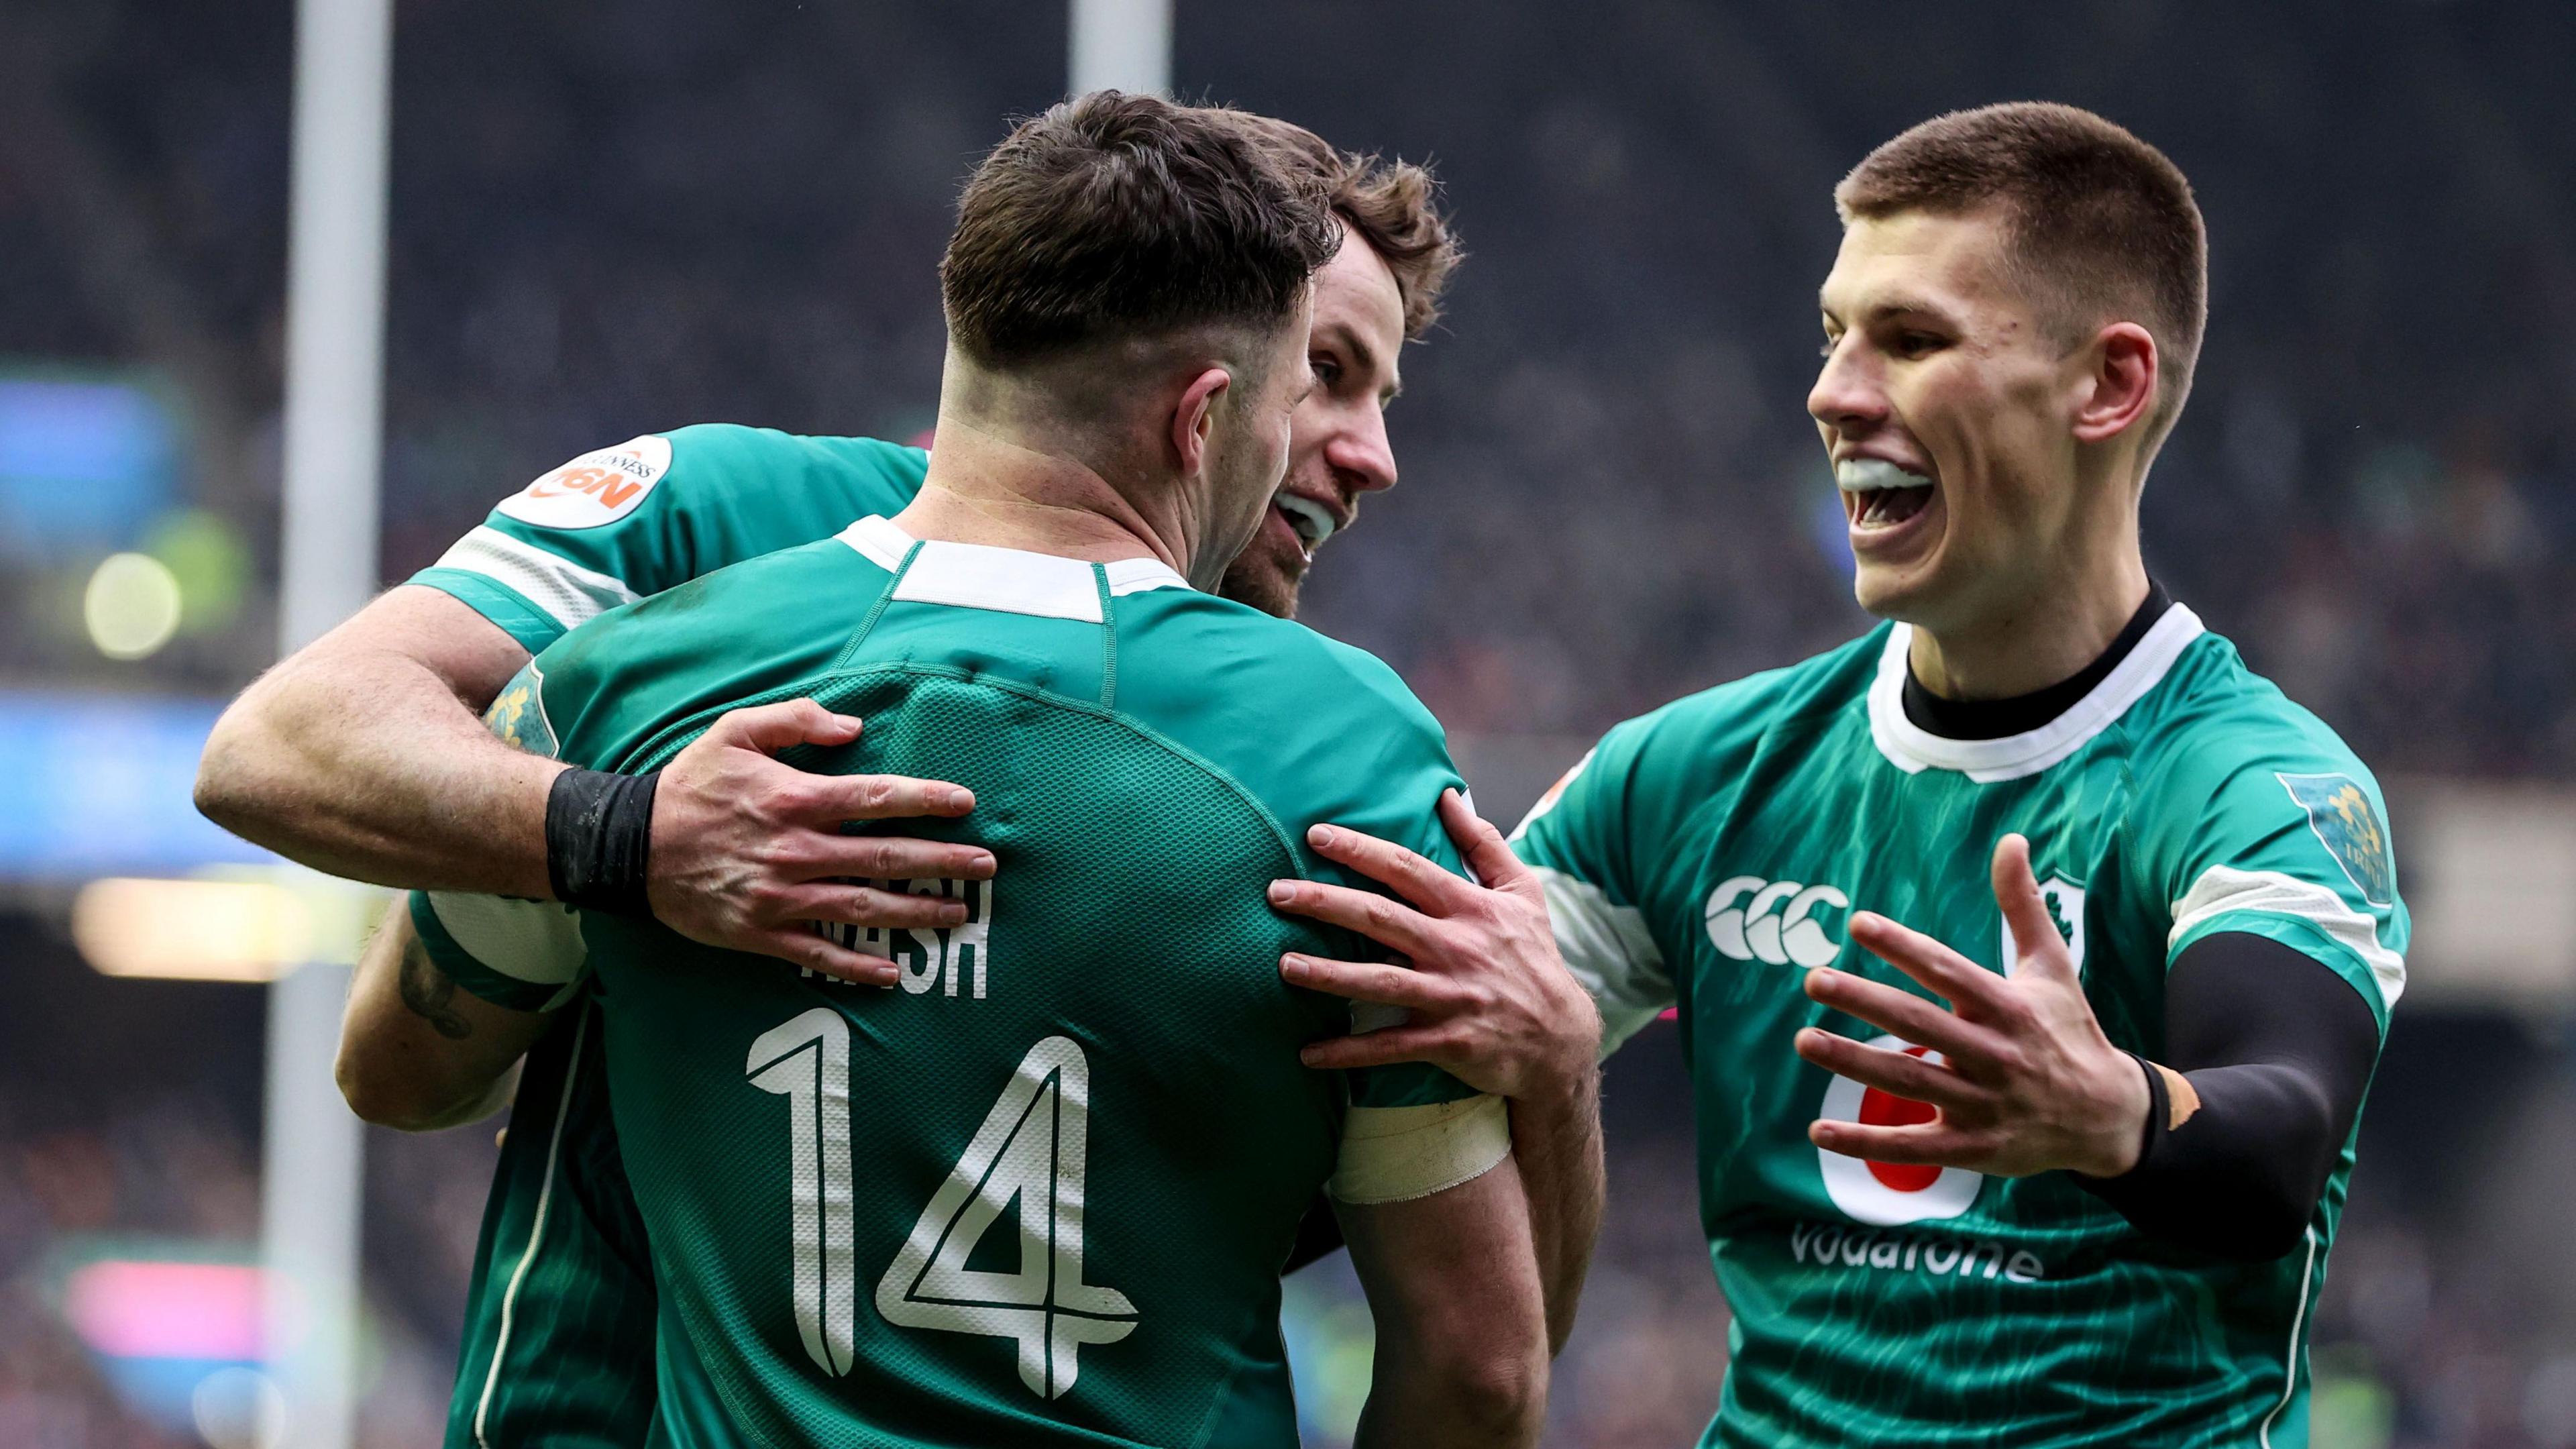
x=2120, y=385
x=1195, y=418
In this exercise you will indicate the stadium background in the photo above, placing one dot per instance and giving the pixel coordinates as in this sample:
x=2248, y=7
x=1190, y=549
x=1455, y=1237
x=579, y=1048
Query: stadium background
x=614, y=217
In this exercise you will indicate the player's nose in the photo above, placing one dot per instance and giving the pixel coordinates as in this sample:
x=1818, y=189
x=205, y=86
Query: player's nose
x=1361, y=456
x=1846, y=396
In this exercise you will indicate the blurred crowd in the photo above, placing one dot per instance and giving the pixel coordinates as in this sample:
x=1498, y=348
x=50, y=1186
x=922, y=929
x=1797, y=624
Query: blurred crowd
x=614, y=218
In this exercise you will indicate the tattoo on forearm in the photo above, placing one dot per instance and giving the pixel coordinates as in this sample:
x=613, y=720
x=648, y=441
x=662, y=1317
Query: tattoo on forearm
x=428, y=990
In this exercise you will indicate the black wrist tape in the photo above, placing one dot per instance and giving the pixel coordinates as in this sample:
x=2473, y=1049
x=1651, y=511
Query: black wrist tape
x=599, y=833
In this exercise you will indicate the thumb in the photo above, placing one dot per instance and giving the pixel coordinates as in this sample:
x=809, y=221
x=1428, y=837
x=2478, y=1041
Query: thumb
x=2025, y=911
x=1483, y=847
x=770, y=728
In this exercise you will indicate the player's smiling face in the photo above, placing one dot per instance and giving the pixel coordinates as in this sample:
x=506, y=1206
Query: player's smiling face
x=1337, y=444
x=1943, y=404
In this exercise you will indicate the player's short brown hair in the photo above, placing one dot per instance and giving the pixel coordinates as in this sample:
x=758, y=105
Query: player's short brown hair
x=2102, y=226
x=1394, y=206
x=1125, y=215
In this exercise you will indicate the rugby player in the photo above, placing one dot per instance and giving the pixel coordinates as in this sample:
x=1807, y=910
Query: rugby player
x=361, y=754
x=2058, y=1160
x=1114, y=1103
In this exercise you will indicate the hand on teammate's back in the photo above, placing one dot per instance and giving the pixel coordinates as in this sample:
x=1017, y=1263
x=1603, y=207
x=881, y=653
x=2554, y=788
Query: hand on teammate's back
x=748, y=853
x=2027, y=1082
x=1488, y=998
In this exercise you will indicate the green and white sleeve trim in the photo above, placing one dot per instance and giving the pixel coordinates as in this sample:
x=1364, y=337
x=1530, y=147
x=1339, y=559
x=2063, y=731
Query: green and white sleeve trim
x=1608, y=948
x=518, y=955
x=2224, y=893
x=563, y=590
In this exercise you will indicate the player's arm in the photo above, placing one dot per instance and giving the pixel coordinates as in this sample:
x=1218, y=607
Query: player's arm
x=2268, y=1054
x=416, y=1052
x=1488, y=1000
x=1451, y=1277
x=363, y=755
x=2226, y=1148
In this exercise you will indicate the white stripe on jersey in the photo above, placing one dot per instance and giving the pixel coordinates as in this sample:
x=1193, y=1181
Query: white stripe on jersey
x=2223, y=890
x=569, y=593
x=1609, y=950
x=538, y=942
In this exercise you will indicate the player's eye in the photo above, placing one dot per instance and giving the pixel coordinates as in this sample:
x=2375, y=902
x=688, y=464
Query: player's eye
x=1328, y=373
x=1916, y=344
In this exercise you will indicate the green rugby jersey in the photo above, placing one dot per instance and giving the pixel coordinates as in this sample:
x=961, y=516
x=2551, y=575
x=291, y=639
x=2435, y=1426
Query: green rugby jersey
x=1704, y=855
x=1042, y=1193
x=555, y=1306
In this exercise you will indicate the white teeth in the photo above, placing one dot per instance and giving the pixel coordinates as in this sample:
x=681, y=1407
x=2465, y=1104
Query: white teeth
x=1313, y=521
x=1872, y=475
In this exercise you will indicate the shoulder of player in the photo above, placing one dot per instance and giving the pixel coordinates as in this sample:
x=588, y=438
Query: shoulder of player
x=2217, y=728
x=1714, y=732
x=719, y=455
x=608, y=682
x=1313, y=727
x=1254, y=656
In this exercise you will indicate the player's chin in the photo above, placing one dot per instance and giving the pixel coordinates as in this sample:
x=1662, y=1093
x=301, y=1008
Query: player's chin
x=1267, y=575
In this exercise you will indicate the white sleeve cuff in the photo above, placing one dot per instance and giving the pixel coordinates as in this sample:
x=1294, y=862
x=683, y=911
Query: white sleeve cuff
x=1397, y=1154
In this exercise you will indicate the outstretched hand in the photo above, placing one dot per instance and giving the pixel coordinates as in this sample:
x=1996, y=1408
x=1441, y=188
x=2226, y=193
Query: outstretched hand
x=1488, y=998
x=747, y=853
x=2023, y=1078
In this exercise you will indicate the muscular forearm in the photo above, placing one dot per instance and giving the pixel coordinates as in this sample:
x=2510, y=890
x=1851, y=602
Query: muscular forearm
x=360, y=758
x=416, y=1052
x=1556, y=1135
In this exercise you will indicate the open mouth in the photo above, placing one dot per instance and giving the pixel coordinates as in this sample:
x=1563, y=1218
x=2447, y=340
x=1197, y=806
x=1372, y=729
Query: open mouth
x=1311, y=521
x=1878, y=494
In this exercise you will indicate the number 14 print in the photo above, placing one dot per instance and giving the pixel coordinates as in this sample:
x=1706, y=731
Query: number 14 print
x=1032, y=1146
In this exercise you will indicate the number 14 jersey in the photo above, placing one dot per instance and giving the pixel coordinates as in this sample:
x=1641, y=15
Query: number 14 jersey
x=1042, y=1191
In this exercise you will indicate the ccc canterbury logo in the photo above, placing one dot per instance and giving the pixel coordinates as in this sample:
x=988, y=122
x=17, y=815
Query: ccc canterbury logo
x=1775, y=921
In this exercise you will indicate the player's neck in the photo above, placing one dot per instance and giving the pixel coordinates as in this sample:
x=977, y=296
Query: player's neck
x=2028, y=643
x=986, y=489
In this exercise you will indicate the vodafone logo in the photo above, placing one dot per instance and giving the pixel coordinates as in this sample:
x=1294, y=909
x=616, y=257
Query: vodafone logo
x=1773, y=921
x=594, y=488
x=1882, y=1193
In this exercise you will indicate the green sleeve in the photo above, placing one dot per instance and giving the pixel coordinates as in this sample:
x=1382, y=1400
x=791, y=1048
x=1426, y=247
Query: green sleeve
x=624, y=523
x=1578, y=839
x=2286, y=838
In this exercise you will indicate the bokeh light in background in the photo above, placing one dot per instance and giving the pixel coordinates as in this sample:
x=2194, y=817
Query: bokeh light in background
x=131, y=605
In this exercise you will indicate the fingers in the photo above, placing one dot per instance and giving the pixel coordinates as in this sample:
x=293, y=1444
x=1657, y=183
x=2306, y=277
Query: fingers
x=1390, y=923
x=2025, y=912
x=1899, y=1013
x=830, y=799
x=1487, y=853
x=1414, y=878
x=1934, y=1144
x=866, y=906
x=1907, y=1076
x=1944, y=972
x=1375, y=1049
x=800, y=947
x=1364, y=981
x=890, y=857
x=770, y=728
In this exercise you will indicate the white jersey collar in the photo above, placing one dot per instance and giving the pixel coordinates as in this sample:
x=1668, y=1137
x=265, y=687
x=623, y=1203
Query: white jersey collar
x=1912, y=748
x=1015, y=581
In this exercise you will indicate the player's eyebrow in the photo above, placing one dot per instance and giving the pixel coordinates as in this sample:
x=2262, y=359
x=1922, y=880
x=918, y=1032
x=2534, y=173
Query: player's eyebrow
x=1365, y=359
